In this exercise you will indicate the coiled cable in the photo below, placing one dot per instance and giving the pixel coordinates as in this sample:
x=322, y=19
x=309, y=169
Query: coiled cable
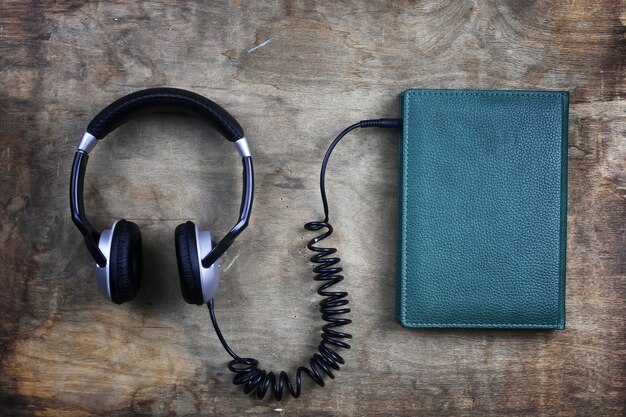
x=332, y=307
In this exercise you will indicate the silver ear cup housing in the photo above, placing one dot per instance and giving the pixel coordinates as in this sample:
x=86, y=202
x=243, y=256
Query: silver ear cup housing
x=103, y=273
x=209, y=277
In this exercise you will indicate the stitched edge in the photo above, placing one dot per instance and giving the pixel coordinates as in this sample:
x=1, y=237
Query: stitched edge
x=561, y=312
x=483, y=93
x=526, y=325
x=405, y=150
x=409, y=93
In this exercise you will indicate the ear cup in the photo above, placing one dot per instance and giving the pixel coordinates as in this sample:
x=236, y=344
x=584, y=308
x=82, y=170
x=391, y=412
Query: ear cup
x=125, y=262
x=188, y=263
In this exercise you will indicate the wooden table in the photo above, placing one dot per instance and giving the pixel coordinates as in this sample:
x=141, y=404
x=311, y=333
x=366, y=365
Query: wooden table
x=294, y=74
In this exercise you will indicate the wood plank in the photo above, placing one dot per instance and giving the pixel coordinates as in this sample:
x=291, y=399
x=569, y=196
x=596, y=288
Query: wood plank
x=294, y=74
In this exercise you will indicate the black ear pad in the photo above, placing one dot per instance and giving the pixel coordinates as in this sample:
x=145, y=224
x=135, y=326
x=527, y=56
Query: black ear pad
x=125, y=262
x=188, y=263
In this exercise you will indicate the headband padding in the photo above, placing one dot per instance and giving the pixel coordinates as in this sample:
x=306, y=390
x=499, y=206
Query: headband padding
x=188, y=263
x=172, y=100
x=126, y=262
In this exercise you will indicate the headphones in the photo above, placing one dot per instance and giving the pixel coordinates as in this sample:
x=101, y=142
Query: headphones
x=118, y=251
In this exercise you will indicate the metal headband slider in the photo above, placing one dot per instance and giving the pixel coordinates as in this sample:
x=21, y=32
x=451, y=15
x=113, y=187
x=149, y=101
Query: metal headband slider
x=242, y=147
x=87, y=143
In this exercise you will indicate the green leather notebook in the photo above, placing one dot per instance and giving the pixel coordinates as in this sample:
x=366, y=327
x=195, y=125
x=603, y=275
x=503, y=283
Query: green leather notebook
x=482, y=209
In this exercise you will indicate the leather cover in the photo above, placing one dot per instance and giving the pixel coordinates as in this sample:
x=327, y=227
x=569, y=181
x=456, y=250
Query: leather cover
x=482, y=209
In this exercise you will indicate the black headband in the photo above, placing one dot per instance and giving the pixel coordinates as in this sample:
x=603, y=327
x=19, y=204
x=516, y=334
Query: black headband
x=148, y=101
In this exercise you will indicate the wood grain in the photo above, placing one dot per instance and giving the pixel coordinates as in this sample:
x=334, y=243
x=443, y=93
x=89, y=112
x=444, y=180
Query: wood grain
x=294, y=73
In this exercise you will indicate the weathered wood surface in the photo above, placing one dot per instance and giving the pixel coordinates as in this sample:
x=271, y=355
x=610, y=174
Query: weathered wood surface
x=294, y=74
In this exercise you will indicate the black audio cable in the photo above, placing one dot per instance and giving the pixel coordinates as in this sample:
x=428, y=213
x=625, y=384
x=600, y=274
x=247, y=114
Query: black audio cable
x=333, y=304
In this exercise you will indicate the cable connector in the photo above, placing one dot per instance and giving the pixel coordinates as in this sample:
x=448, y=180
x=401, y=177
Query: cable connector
x=389, y=123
